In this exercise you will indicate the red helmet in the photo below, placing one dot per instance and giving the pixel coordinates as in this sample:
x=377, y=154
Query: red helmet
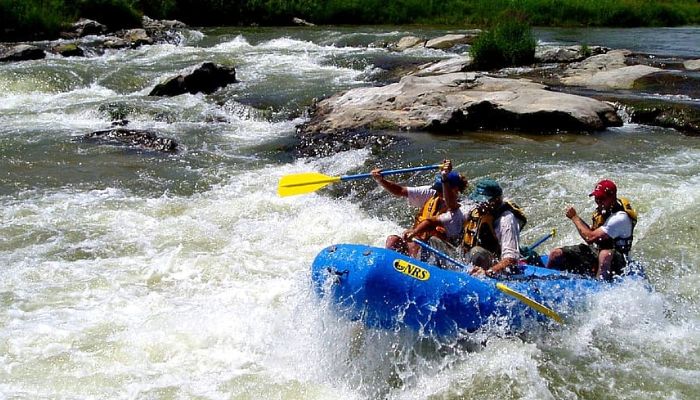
x=604, y=188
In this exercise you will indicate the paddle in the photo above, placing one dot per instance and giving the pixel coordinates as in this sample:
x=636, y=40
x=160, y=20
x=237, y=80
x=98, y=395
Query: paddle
x=500, y=286
x=542, y=240
x=307, y=182
x=528, y=254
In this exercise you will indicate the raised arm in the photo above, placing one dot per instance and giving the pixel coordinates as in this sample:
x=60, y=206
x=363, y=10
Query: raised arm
x=389, y=186
x=587, y=234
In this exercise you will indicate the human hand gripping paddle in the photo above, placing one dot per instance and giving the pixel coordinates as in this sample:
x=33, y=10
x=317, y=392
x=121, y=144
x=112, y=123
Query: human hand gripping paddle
x=528, y=254
x=307, y=182
x=539, y=307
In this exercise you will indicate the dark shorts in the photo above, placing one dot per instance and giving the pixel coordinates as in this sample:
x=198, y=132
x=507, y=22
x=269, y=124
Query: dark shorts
x=583, y=259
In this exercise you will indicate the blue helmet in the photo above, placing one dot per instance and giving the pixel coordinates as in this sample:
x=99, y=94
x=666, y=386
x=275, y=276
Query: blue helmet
x=453, y=178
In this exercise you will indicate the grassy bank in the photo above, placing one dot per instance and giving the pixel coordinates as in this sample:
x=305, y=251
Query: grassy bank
x=44, y=18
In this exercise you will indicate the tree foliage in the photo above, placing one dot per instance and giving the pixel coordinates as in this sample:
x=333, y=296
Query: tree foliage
x=36, y=18
x=507, y=44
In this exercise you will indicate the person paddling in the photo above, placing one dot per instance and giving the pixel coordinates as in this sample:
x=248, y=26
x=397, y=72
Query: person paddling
x=608, y=239
x=492, y=230
x=439, y=216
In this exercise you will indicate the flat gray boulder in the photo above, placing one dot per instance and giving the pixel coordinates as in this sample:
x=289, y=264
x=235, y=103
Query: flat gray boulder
x=606, y=71
x=459, y=101
x=408, y=42
x=449, y=41
x=448, y=66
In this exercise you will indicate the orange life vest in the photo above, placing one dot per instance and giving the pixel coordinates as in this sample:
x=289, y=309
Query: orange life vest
x=432, y=208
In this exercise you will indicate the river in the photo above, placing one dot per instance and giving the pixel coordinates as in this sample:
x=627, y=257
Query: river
x=130, y=274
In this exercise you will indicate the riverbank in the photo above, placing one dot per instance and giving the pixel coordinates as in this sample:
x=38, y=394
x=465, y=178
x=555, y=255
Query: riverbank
x=35, y=19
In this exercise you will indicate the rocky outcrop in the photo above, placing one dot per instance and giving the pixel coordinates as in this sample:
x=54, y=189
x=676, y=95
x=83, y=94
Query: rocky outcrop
x=207, y=78
x=21, y=52
x=442, y=42
x=137, y=37
x=89, y=38
x=606, y=71
x=459, y=101
x=566, y=54
x=133, y=138
x=682, y=117
x=163, y=30
x=84, y=27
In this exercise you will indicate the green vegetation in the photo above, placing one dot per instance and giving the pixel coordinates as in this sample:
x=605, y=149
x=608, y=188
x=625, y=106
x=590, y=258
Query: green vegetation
x=507, y=44
x=44, y=18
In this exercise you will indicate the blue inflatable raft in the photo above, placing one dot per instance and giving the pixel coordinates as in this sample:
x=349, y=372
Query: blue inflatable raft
x=386, y=289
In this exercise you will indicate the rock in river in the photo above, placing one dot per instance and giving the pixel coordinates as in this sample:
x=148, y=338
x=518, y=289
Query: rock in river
x=459, y=101
x=207, y=78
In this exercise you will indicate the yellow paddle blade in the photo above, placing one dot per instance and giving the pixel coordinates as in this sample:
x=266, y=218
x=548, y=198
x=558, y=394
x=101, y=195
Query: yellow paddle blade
x=305, y=182
x=529, y=302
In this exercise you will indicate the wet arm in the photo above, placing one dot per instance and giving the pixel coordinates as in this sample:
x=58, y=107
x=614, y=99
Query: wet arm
x=389, y=186
x=587, y=234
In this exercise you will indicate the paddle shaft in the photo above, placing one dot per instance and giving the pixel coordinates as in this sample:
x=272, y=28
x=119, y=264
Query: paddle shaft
x=542, y=240
x=391, y=172
x=500, y=286
x=441, y=254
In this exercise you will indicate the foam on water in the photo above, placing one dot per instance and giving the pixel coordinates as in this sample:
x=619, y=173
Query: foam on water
x=178, y=287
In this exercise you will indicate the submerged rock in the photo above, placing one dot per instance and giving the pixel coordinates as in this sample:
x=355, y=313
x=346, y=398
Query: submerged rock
x=321, y=145
x=671, y=83
x=459, y=101
x=133, y=137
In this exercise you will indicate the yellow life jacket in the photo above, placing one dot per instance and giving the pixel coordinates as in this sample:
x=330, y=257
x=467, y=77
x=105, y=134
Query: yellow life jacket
x=623, y=245
x=479, y=230
x=432, y=208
